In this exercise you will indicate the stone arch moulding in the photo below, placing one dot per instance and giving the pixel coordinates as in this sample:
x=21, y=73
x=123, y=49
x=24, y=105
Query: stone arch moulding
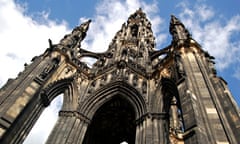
x=169, y=90
x=63, y=86
x=109, y=91
x=33, y=109
x=161, y=101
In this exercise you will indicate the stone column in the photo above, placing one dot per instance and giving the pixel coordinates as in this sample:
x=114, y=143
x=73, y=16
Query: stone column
x=70, y=128
x=151, y=130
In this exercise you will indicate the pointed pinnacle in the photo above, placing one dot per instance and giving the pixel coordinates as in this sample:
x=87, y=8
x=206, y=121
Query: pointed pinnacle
x=84, y=26
x=174, y=20
x=140, y=9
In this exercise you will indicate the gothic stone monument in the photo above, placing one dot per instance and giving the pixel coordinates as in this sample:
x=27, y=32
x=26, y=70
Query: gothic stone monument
x=133, y=92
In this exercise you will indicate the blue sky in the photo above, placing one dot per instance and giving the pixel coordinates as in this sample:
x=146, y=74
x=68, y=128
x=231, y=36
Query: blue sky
x=26, y=25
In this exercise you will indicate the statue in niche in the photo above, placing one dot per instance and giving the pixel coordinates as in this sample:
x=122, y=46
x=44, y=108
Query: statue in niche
x=212, y=67
x=179, y=65
x=135, y=80
x=47, y=70
x=144, y=87
x=50, y=67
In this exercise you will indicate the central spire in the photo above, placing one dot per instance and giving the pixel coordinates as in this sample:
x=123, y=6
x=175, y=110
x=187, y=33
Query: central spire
x=135, y=40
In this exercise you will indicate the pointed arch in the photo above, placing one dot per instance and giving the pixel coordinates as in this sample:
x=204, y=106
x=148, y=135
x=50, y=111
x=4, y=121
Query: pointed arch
x=169, y=89
x=172, y=107
x=33, y=109
x=65, y=86
x=106, y=93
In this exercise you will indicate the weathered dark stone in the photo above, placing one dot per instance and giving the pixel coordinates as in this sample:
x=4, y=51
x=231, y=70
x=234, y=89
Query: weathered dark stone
x=132, y=93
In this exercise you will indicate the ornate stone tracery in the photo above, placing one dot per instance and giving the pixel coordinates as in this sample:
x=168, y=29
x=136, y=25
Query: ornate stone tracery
x=133, y=92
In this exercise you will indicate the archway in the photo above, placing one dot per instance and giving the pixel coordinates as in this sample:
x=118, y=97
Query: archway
x=45, y=123
x=113, y=123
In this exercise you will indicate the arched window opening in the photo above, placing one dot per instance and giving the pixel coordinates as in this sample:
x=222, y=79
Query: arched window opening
x=45, y=123
x=113, y=123
x=134, y=30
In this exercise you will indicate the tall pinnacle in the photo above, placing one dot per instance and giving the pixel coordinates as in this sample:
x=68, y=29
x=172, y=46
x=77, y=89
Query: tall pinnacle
x=138, y=27
x=178, y=31
x=81, y=30
x=134, y=41
x=139, y=14
x=77, y=35
x=175, y=20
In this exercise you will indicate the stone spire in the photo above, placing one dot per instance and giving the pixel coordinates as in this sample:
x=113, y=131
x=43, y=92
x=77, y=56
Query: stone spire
x=178, y=31
x=71, y=43
x=77, y=35
x=134, y=41
x=132, y=93
x=139, y=27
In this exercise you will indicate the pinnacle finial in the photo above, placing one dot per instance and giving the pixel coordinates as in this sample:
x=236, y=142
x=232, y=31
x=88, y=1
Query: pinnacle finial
x=178, y=30
x=81, y=30
x=137, y=15
x=174, y=20
x=77, y=35
x=140, y=9
x=84, y=26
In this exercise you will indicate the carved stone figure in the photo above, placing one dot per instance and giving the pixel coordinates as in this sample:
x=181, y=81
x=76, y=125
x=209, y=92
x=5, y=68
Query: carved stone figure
x=129, y=94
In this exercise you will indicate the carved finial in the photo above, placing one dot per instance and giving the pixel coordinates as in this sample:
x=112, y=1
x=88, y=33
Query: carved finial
x=77, y=35
x=140, y=10
x=50, y=44
x=174, y=20
x=139, y=14
x=81, y=30
x=84, y=26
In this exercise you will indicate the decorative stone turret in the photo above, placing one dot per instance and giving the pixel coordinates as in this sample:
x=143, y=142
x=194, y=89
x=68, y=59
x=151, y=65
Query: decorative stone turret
x=133, y=92
x=180, y=35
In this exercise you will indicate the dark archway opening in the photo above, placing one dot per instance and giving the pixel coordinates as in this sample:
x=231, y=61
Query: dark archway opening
x=113, y=123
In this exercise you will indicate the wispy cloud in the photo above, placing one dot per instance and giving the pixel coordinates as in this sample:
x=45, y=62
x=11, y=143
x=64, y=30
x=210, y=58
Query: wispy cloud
x=214, y=33
x=45, y=123
x=111, y=14
x=23, y=37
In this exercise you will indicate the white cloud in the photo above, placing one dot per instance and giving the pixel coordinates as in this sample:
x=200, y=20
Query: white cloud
x=205, y=12
x=45, y=123
x=214, y=33
x=111, y=14
x=22, y=37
